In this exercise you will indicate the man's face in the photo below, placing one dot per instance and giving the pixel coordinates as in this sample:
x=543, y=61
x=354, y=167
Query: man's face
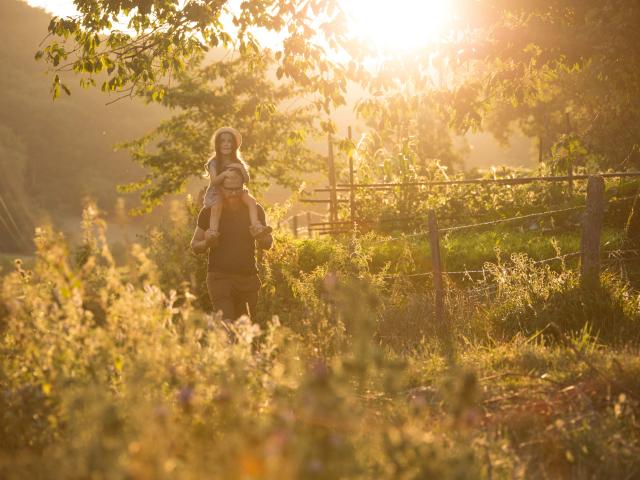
x=232, y=188
x=226, y=143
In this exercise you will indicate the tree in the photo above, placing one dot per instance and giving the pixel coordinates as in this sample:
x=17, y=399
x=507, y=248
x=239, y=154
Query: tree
x=164, y=53
x=161, y=36
x=235, y=92
x=508, y=62
x=563, y=71
x=558, y=68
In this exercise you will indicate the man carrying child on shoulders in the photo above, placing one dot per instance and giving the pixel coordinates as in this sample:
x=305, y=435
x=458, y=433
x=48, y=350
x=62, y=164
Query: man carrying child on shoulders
x=232, y=274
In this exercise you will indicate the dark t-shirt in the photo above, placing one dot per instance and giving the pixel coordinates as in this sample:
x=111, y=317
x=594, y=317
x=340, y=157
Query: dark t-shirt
x=236, y=249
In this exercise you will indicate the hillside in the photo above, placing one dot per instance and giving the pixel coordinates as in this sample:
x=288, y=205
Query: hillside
x=56, y=153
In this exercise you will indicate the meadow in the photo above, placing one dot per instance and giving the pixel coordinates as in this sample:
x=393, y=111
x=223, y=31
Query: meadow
x=112, y=366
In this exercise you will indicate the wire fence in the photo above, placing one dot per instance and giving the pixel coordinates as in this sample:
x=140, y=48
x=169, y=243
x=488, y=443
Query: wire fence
x=483, y=271
x=484, y=287
x=335, y=227
x=346, y=187
x=348, y=226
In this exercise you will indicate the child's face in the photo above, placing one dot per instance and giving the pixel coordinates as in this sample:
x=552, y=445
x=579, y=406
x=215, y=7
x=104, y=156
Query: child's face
x=226, y=143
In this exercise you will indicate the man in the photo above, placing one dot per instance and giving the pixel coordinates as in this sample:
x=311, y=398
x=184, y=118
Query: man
x=232, y=275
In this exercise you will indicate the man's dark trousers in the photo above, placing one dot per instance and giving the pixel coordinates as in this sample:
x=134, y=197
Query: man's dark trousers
x=234, y=294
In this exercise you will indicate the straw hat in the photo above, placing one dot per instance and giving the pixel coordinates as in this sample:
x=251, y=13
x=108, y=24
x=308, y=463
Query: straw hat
x=232, y=131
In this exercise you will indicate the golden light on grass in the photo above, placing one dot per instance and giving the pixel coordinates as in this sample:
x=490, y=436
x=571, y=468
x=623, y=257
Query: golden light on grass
x=400, y=25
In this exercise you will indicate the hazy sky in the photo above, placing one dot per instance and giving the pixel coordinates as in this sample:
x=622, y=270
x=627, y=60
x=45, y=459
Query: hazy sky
x=57, y=7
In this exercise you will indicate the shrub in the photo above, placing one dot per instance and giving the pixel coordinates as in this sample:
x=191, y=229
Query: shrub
x=105, y=375
x=533, y=298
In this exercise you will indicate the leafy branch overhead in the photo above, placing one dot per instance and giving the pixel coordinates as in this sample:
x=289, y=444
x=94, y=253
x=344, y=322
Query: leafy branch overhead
x=497, y=50
x=527, y=65
x=138, y=47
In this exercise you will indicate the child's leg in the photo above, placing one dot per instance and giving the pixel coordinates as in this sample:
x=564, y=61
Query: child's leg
x=251, y=203
x=214, y=219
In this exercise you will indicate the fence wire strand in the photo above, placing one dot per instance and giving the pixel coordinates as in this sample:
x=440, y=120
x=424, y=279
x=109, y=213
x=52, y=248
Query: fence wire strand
x=510, y=219
x=482, y=224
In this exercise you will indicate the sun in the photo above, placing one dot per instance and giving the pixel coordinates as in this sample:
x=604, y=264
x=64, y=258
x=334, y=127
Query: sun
x=399, y=25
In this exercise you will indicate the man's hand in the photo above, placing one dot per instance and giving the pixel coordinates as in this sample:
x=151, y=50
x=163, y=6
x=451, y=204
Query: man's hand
x=203, y=240
x=264, y=240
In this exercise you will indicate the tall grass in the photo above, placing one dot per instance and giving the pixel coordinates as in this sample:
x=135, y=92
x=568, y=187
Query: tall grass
x=104, y=374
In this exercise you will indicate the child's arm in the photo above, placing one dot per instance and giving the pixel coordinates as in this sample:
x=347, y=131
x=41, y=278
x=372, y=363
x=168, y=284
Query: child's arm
x=242, y=169
x=214, y=219
x=215, y=179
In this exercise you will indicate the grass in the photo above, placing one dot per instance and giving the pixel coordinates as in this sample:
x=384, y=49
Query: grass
x=105, y=375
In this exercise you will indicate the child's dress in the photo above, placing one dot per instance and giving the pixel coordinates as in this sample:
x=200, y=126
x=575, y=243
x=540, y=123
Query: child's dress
x=212, y=195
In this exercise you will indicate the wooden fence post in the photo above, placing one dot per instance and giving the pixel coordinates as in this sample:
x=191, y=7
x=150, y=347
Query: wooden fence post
x=591, y=229
x=294, y=225
x=434, y=243
x=309, y=233
x=442, y=324
x=332, y=183
x=352, y=191
x=569, y=159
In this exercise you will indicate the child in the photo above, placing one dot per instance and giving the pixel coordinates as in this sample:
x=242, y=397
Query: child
x=226, y=142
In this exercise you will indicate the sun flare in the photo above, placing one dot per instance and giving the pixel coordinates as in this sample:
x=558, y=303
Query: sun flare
x=399, y=25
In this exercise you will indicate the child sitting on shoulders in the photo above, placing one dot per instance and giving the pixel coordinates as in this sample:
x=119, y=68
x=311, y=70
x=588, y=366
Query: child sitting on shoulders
x=226, y=143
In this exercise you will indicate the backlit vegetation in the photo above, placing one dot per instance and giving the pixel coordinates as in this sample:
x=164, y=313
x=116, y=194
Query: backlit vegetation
x=106, y=375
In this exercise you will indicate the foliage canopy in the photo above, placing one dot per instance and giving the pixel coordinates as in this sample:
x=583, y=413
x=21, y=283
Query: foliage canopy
x=564, y=71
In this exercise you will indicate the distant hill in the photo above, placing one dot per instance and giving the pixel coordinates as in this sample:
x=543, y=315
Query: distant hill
x=55, y=153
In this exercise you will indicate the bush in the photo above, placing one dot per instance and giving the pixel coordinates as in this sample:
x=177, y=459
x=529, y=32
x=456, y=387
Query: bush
x=533, y=299
x=155, y=388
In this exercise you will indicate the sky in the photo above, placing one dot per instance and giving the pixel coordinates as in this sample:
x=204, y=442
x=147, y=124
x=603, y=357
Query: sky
x=57, y=7
x=408, y=24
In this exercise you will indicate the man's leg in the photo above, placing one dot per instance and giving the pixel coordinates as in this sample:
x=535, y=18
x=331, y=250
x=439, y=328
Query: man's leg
x=220, y=287
x=245, y=303
x=245, y=295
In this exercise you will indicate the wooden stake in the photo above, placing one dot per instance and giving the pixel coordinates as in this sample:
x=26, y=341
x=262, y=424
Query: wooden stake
x=352, y=190
x=569, y=159
x=434, y=242
x=294, y=225
x=540, y=156
x=442, y=324
x=309, y=233
x=591, y=230
x=332, y=182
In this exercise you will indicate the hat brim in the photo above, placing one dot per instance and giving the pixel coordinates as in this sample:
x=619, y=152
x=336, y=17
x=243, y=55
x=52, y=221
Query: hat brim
x=232, y=131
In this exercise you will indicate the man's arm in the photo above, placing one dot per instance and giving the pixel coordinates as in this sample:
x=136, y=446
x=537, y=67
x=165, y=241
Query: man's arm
x=265, y=240
x=199, y=241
